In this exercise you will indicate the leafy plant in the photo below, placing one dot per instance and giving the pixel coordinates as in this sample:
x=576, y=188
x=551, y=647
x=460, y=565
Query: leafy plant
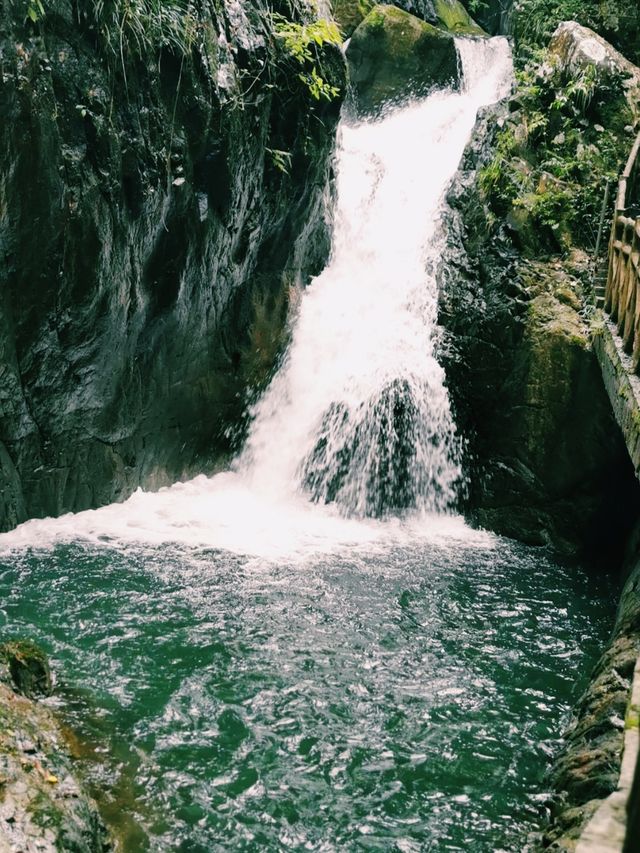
x=302, y=42
x=35, y=10
x=300, y=38
x=280, y=159
x=564, y=140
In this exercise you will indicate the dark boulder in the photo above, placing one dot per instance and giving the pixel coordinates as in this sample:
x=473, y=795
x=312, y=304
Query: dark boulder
x=393, y=55
x=445, y=14
x=28, y=668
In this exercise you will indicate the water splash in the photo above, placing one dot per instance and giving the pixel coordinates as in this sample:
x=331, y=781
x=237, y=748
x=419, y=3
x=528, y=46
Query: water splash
x=359, y=414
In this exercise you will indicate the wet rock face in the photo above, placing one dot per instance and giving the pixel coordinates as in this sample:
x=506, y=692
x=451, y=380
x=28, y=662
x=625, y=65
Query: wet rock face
x=587, y=769
x=156, y=210
x=546, y=462
x=28, y=668
x=393, y=55
x=495, y=16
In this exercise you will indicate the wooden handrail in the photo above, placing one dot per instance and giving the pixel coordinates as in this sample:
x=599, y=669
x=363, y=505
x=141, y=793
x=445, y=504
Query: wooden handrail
x=627, y=174
x=622, y=296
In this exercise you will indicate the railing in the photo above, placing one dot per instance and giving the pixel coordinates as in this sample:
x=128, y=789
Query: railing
x=622, y=295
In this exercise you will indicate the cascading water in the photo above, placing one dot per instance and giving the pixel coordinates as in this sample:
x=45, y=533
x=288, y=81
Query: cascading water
x=359, y=414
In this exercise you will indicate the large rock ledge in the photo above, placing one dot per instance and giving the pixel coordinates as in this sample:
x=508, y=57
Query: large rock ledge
x=43, y=809
x=393, y=55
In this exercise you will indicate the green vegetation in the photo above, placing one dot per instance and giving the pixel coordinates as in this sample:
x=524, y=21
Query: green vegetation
x=477, y=6
x=130, y=30
x=35, y=10
x=565, y=139
x=133, y=26
x=280, y=159
x=303, y=43
x=615, y=20
x=140, y=26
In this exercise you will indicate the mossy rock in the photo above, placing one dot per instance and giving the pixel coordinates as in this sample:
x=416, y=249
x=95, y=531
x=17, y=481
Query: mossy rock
x=449, y=15
x=393, y=55
x=43, y=806
x=28, y=668
x=452, y=16
x=576, y=50
x=348, y=14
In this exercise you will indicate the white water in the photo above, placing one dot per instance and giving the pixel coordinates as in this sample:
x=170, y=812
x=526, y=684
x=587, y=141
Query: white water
x=359, y=414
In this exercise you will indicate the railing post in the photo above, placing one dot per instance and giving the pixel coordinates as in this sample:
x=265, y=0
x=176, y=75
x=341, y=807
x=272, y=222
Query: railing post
x=609, y=295
x=630, y=249
x=634, y=263
x=603, y=213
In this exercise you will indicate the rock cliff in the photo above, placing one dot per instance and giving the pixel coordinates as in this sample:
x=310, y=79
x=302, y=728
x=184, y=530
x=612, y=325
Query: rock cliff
x=162, y=182
x=546, y=461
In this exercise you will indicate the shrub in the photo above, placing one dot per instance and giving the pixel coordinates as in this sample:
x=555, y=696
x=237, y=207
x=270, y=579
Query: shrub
x=617, y=21
x=565, y=139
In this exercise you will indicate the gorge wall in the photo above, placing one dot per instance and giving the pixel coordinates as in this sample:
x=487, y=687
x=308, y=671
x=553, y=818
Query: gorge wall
x=162, y=184
x=161, y=199
x=546, y=461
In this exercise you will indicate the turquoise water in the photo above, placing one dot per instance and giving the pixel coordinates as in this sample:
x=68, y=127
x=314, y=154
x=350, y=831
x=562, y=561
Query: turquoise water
x=405, y=697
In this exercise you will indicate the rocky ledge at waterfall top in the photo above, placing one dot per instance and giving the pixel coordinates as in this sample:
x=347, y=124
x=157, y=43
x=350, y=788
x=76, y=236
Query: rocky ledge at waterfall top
x=162, y=184
x=448, y=15
x=393, y=55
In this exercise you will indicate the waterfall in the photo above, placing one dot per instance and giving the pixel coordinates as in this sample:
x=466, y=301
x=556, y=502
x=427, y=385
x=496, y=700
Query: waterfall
x=359, y=413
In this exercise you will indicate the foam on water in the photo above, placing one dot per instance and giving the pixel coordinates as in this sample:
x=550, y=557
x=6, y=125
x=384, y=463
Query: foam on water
x=357, y=422
x=223, y=512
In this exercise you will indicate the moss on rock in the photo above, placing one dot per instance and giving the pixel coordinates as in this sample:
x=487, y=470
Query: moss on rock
x=452, y=16
x=448, y=15
x=42, y=806
x=349, y=14
x=393, y=55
